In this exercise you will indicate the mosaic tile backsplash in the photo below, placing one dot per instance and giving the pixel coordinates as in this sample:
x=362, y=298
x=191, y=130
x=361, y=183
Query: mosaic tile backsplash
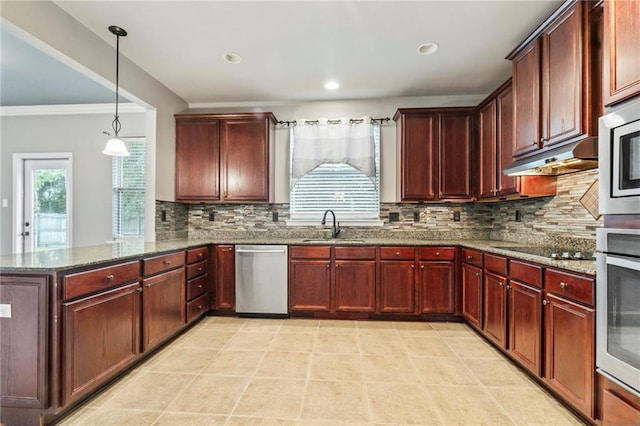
x=559, y=220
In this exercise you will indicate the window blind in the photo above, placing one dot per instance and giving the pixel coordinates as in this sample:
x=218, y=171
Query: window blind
x=128, y=178
x=339, y=187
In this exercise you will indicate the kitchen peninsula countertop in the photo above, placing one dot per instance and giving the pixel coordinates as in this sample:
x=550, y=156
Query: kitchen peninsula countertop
x=47, y=261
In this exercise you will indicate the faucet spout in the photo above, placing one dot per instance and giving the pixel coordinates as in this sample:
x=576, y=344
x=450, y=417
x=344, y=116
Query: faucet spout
x=336, y=228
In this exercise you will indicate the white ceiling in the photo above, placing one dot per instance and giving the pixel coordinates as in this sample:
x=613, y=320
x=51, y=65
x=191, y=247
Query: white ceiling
x=290, y=49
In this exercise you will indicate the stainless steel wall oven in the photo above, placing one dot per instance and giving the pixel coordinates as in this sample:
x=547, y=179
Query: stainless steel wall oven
x=618, y=306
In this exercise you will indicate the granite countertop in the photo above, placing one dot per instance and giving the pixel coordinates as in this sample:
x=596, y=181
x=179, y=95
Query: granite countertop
x=60, y=259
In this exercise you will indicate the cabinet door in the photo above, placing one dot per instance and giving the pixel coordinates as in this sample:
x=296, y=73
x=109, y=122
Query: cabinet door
x=355, y=285
x=418, y=154
x=309, y=285
x=487, y=146
x=245, y=159
x=472, y=294
x=569, y=351
x=621, y=77
x=100, y=338
x=525, y=325
x=225, y=277
x=163, y=307
x=455, y=155
x=397, y=286
x=495, y=309
x=562, y=78
x=24, y=331
x=505, y=141
x=197, y=160
x=437, y=283
x=526, y=98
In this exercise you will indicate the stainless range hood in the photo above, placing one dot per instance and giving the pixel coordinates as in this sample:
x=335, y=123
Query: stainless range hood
x=569, y=158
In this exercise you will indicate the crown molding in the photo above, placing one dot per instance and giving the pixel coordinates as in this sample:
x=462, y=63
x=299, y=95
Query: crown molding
x=10, y=111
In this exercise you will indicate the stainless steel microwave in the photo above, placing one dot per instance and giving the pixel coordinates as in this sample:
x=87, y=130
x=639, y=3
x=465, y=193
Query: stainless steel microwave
x=619, y=160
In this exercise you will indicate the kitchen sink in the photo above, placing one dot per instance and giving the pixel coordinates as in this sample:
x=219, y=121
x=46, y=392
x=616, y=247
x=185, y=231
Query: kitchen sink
x=332, y=241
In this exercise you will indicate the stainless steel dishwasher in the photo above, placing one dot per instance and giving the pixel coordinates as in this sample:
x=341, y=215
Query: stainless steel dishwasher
x=262, y=280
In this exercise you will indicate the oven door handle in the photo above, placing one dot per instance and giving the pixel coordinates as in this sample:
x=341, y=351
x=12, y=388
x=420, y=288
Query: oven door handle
x=623, y=262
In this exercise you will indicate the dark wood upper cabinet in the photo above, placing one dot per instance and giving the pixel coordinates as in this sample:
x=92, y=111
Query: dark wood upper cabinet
x=225, y=157
x=621, y=44
x=197, y=159
x=553, y=79
x=434, y=153
x=495, y=145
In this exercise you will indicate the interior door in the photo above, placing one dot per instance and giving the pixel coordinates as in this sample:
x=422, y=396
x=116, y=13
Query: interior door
x=46, y=204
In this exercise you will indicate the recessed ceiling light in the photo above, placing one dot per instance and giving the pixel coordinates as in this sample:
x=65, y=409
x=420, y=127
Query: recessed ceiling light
x=427, y=48
x=232, y=58
x=331, y=85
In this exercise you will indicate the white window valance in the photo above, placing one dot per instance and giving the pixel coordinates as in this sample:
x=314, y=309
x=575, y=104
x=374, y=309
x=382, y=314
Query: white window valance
x=326, y=141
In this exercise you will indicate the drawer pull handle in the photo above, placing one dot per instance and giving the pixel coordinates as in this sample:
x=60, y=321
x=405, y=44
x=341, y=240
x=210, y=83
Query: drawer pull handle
x=478, y=274
x=148, y=285
x=469, y=257
x=166, y=262
x=110, y=277
x=199, y=269
x=563, y=285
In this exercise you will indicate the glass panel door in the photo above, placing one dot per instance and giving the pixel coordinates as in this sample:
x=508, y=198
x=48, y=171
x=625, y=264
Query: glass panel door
x=47, y=212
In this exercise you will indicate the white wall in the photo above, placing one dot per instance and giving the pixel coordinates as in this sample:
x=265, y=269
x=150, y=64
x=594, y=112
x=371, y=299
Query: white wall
x=91, y=189
x=356, y=108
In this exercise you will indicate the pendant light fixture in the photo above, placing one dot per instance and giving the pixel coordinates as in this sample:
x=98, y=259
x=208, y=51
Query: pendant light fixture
x=116, y=146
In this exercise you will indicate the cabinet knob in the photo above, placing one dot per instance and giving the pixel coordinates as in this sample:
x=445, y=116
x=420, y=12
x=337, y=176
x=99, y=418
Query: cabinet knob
x=328, y=265
x=501, y=283
x=397, y=253
x=478, y=274
x=508, y=286
x=199, y=307
x=200, y=255
x=437, y=253
x=199, y=269
x=545, y=303
x=166, y=262
x=139, y=289
x=534, y=143
x=563, y=285
x=469, y=257
x=148, y=285
x=421, y=266
x=413, y=266
x=110, y=277
x=200, y=286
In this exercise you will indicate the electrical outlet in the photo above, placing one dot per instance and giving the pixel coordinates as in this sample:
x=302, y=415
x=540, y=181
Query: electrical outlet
x=518, y=216
x=212, y=216
x=274, y=216
x=163, y=215
x=416, y=216
x=456, y=216
x=394, y=217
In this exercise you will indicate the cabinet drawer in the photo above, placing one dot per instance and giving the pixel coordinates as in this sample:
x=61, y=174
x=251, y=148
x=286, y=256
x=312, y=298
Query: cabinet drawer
x=310, y=252
x=197, y=269
x=391, y=253
x=496, y=264
x=99, y=279
x=525, y=273
x=437, y=253
x=473, y=257
x=347, y=253
x=162, y=263
x=196, y=286
x=196, y=255
x=197, y=307
x=571, y=286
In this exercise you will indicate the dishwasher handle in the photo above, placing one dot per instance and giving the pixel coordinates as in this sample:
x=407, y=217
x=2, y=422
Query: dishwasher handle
x=260, y=251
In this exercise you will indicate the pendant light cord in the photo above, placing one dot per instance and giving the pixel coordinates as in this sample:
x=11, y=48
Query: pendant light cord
x=116, y=122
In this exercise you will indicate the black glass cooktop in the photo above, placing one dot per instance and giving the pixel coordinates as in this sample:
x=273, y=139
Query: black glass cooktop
x=553, y=252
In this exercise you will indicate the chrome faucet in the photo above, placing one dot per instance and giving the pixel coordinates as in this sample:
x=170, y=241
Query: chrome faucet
x=336, y=228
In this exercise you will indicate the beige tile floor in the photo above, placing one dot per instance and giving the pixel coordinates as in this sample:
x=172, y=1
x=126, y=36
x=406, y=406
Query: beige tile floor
x=233, y=371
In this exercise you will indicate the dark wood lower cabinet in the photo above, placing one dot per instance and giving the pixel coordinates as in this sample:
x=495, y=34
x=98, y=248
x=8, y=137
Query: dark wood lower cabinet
x=524, y=317
x=495, y=308
x=570, y=351
x=472, y=294
x=24, y=355
x=437, y=285
x=225, y=277
x=309, y=285
x=100, y=337
x=397, y=286
x=354, y=285
x=163, y=307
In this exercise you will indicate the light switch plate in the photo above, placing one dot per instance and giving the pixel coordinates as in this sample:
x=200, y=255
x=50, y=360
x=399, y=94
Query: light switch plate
x=5, y=310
